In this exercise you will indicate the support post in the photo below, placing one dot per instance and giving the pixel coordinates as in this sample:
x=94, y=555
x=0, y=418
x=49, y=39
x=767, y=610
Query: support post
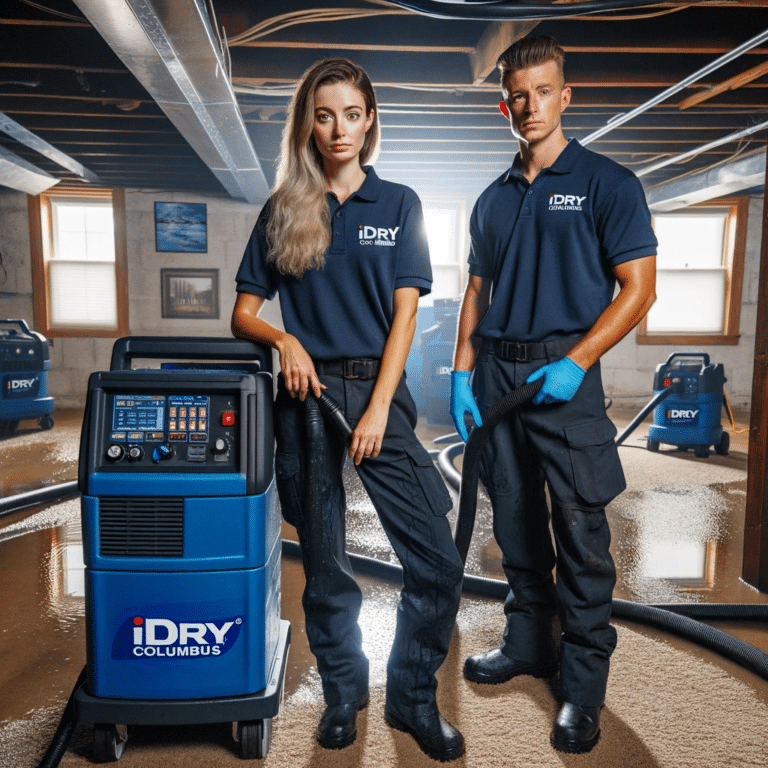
x=755, y=563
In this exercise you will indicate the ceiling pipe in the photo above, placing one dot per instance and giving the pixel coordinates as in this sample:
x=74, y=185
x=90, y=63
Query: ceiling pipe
x=18, y=132
x=501, y=10
x=16, y=173
x=625, y=117
x=172, y=51
x=706, y=147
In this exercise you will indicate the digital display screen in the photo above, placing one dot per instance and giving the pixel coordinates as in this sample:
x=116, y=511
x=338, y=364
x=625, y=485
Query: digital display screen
x=180, y=418
x=139, y=413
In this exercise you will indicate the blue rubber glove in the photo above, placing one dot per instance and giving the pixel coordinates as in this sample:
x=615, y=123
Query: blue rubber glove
x=462, y=401
x=561, y=380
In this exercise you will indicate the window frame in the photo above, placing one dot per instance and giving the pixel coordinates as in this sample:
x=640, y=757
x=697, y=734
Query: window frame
x=458, y=204
x=41, y=245
x=734, y=271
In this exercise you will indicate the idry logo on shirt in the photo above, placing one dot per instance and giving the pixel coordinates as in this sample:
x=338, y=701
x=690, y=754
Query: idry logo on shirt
x=368, y=235
x=566, y=202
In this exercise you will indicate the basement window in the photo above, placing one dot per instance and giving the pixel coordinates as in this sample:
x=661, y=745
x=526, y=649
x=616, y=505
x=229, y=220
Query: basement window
x=699, y=269
x=79, y=262
x=444, y=220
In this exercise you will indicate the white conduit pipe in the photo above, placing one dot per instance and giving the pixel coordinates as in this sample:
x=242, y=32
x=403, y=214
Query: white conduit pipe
x=716, y=64
x=716, y=143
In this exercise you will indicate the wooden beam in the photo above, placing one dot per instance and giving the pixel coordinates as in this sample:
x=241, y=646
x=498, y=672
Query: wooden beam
x=497, y=37
x=727, y=85
x=755, y=562
x=344, y=45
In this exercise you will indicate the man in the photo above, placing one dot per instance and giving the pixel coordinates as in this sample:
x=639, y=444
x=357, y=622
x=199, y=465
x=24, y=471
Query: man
x=551, y=237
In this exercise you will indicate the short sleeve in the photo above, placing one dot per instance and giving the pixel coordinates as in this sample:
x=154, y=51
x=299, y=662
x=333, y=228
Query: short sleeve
x=623, y=223
x=479, y=264
x=254, y=274
x=414, y=268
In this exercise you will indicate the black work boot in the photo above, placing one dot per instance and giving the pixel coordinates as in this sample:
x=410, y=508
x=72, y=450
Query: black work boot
x=576, y=729
x=436, y=737
x=338, y=725
x=493, y=667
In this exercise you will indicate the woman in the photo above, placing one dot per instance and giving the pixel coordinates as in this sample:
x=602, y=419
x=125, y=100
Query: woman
x=347, y=253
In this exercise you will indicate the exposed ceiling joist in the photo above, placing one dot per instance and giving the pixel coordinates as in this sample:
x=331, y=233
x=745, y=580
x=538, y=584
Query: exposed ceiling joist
x=171, y=49
x=727, y=85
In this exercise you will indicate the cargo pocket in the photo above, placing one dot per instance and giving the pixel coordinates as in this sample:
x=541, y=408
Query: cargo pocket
x=436, y=494
x=597, y=473
x=287, y=467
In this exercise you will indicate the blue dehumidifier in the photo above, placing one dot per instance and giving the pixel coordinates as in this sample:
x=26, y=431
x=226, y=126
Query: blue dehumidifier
x=690, y=416
x=181, y=538
x=24, y=365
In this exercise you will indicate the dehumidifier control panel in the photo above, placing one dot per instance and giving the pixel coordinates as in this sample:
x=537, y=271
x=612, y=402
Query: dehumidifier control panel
x=149, y=430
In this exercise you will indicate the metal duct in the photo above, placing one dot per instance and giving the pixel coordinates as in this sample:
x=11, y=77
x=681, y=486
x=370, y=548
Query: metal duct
x=18, y=132
x=746, y=172
x=18, y=174
x=170, y=47
x=704, y=148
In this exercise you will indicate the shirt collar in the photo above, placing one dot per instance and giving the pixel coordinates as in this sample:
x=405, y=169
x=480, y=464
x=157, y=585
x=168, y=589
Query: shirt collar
x=369, y=189
x=564, y=163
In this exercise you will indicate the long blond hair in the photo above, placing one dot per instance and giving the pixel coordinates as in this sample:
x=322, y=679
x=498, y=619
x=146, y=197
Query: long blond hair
x=298, y=230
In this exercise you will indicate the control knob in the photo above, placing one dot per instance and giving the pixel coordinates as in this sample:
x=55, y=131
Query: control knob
x=163, y=452
x=115, y=452
x=135, y=453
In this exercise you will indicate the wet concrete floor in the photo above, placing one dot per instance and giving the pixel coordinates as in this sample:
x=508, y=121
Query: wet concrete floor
x=677, y=537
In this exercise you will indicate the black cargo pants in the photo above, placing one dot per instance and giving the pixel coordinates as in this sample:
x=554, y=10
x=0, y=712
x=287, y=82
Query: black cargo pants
x=412, y=502
x=570, y=448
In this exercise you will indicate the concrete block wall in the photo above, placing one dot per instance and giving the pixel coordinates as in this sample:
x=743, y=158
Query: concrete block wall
x=627, y=369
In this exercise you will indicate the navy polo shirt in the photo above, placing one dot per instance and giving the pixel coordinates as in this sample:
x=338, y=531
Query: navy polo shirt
x=345, y=309
x=549, y=247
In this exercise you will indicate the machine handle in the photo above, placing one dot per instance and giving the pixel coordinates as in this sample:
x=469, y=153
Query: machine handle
x=703, y=355
x=21, y=323
x=188, y=348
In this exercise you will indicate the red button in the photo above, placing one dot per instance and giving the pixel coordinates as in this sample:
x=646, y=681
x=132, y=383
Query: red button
x=228, y=419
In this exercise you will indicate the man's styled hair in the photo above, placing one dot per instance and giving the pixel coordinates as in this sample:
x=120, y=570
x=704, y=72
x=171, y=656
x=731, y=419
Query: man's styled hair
x=530, y=52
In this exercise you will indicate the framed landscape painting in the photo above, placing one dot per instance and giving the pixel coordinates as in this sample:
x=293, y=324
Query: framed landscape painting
x=190, y=293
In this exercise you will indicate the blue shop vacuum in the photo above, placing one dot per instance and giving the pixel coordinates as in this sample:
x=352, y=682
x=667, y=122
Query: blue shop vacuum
x=24, y=365
x=181, y=538
x=687, y=402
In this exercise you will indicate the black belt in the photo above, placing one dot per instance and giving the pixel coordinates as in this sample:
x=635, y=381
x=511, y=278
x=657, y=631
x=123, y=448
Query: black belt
x=525, y=351
x=348, y=368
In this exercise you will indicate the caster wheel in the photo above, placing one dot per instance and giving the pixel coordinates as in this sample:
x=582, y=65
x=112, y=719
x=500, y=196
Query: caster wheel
x=254, y=737
x=721, y=449
x=108, y=742
x=701, y=451
x=46, y=421
x=8, y=428
x=652, y=445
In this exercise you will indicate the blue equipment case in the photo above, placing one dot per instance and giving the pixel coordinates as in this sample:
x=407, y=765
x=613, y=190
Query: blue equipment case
x=181, y=538
x=690, y=417
x=24, y=365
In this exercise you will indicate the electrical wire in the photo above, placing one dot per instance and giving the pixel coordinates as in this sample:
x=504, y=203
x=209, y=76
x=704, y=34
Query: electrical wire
x=46, y=9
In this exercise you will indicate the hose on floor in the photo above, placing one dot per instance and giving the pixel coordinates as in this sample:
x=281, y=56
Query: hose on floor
x=66, y=728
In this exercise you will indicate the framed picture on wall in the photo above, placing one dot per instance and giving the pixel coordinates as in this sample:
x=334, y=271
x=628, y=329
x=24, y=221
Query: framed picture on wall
x=190, y=294
x=181, y=227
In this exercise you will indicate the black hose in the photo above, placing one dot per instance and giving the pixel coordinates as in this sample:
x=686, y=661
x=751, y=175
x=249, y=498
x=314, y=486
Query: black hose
x=67, y=725
x=470, y=473
x=655, y=400
x=11, y=504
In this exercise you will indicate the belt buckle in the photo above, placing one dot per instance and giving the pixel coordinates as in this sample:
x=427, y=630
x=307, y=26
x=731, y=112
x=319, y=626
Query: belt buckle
x=348, y=369
x=515, y=351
